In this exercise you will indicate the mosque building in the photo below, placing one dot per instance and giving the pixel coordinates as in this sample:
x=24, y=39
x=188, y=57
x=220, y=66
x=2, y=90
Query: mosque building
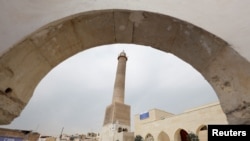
x=159, y=125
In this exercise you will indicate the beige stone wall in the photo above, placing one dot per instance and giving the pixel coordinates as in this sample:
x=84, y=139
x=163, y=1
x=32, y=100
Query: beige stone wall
x=160, y=114
x=154, y=114
x=125, y=136
x=202, y=135
x=190, y=121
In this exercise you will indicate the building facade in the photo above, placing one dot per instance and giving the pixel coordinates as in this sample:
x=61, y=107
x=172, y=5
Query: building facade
x=158, y=125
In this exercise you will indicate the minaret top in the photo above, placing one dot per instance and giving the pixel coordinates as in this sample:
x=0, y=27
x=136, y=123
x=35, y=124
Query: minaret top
x=122, y=54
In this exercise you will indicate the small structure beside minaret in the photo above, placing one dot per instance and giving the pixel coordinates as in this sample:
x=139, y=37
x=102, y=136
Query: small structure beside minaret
x=116, y=125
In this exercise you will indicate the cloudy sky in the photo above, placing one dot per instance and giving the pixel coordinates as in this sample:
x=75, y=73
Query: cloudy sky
x=74, y=95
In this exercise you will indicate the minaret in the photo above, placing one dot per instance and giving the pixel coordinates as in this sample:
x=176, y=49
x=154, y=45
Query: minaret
x=117, y=115
x=118, y=95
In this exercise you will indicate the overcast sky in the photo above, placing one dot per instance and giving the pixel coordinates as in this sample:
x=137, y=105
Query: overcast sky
x=75, y=94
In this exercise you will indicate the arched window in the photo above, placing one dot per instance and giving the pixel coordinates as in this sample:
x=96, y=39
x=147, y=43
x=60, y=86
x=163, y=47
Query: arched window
x=163, y=137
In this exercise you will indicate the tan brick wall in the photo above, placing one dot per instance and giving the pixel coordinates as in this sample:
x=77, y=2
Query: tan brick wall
x=190, y=121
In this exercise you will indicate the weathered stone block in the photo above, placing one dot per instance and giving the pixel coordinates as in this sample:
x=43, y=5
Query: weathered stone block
x=123, y=27
x=95, y=28
x=158, y=31
x=58, y=42
x=229, y=74
x=195, y=46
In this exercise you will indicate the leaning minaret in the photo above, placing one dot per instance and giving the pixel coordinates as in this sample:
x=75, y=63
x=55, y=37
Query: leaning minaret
x=119, y=87
x=117, y=115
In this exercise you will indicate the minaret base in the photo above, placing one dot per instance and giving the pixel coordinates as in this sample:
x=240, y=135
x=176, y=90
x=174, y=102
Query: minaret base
x=116, y=124
x=117, y=113
x=110, y=132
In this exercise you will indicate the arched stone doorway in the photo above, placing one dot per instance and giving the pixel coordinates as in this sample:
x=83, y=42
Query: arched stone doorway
x=163, y=137
x=180, y=135
x=183, y=135
x=23, y=66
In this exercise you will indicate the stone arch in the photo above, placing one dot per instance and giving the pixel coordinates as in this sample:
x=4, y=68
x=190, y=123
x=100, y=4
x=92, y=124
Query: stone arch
x=180, y=135
x=26, y=63
x=201, y=128
x=163, y=136
x=201, y=132
x=149, y=137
